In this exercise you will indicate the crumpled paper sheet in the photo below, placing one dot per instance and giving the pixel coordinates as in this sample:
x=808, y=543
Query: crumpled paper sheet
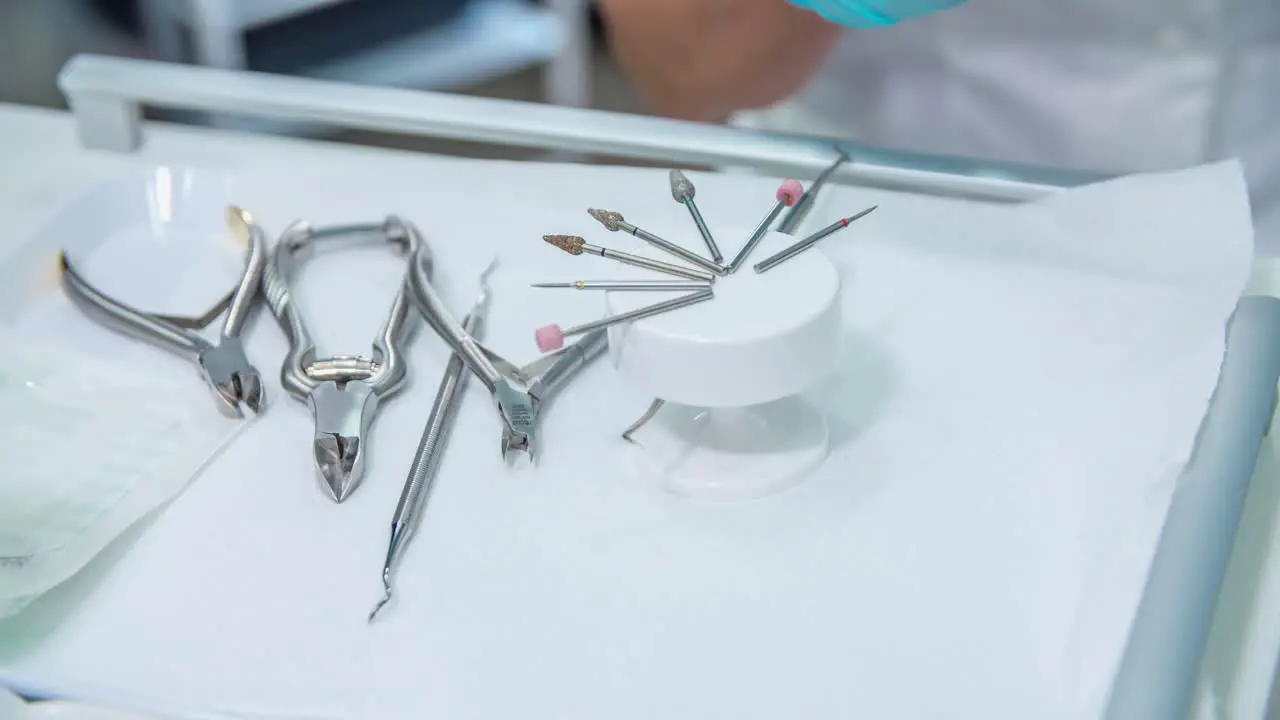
x=1022, y=387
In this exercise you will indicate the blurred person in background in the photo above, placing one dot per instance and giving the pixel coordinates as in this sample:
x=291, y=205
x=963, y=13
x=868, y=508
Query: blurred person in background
x=1100, y=85
x=38, y=36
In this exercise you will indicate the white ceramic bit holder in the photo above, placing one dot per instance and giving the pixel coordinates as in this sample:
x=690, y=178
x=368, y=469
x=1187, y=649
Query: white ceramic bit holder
x=732, y=371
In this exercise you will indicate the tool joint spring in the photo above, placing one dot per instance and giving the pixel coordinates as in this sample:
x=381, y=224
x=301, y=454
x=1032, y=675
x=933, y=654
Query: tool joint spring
x=342, y=369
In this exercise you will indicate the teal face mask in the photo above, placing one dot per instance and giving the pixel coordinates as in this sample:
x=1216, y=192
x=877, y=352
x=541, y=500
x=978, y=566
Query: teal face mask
x=873, y=13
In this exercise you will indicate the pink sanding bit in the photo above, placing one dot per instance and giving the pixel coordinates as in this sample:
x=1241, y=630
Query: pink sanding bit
x=788, y=194
x=551, y=337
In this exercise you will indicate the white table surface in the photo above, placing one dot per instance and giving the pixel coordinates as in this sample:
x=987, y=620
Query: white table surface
x=45, y=165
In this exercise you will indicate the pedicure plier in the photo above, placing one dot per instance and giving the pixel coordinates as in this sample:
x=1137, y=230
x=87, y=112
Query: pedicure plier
x=517, y=407
x=223, y=364
x=344, y=392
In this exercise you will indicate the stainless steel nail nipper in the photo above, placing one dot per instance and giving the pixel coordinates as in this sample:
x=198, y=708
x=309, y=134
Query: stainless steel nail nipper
x=223, y=364
x=344, y=392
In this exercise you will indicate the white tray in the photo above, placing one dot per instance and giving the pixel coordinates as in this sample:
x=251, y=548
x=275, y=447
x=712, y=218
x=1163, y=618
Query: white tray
x=1159, y=670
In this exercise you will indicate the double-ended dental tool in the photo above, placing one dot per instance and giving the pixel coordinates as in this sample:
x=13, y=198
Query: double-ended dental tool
x=551, y=337
x=683, y=191
x=613, y=222
x=575, y=245
x=431, y=445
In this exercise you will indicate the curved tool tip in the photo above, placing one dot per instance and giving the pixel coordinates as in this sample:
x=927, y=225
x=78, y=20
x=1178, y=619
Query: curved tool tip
x=386, y=598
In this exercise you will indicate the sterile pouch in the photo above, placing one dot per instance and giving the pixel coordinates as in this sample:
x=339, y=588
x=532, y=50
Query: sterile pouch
x=92, y=447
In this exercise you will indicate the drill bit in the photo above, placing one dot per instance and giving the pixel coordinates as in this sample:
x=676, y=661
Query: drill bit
x=683, y=191
x=575, y=245
x=801, y=209
x=629, y=285
x=789, y=192
x=551, y=337
x=789, y=252
x=613, y=221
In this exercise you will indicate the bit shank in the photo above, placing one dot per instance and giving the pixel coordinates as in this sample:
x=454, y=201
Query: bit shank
x=671, y=248
x=791, y=251
x=613, y=222
x=639, y=313
x=575, y=245
x=649, y=264
x=703, y=230
x=629, y=285
x=683, y=192
x=755, y=238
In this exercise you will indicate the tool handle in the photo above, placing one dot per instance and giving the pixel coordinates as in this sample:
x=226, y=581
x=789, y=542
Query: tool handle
x=128, y=320
x=279, y=299
x=242, y=299
x=435, y=436
x=389, y=344
x=570, y=363
x=438, y=317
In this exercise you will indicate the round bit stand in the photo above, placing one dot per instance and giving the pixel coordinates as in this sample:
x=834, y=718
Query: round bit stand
x=731, y=371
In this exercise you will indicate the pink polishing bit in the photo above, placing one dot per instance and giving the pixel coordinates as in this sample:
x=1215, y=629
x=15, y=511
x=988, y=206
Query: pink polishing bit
x=788, y=194
x=549, y=338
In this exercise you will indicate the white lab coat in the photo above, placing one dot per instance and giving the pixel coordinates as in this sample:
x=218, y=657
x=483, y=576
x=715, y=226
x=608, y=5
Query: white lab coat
x=1106, y=85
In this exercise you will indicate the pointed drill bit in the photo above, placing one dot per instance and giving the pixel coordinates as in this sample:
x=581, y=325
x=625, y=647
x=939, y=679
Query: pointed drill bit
x=789, y=252
x=613, y=221
x=575, y=245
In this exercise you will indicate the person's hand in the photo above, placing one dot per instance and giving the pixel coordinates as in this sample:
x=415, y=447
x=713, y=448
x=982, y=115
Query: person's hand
x=706, y=59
